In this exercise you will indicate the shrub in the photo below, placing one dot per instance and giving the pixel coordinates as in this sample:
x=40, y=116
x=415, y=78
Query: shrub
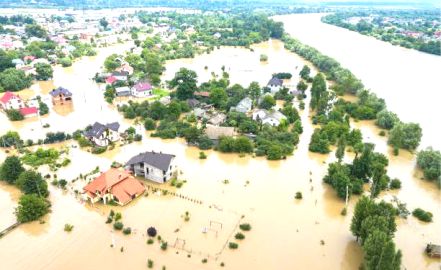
x=395, y=183
x=382, y=133
x=150, y=241
x=202, y=155
x=245, y=227
x=422, y=215
x=118, y=226
x=109, y=220
x=68, y=227
x=99, y=150
x=14, y=115
x=127, y=231
x=263, y=58
x=233, y=245
x=151, y=232
x=118, y=216
x=239, y=236
x=164, y=245
x=204, y=260
x=299, y=195
x=149, y=263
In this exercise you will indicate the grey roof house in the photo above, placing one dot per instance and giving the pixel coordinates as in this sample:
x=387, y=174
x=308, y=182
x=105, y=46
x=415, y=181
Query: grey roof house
x=103, y=134
x=243, y=106
x=154, y=166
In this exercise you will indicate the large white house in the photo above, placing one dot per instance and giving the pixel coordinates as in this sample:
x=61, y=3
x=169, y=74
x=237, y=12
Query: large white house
x=103, y=135
x=142, y=89
x=273, y=118
x=154, y=166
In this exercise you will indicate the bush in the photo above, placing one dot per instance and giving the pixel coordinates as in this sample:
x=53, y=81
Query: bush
x=99, y=150
x=299, y=195
x=239, y=236
x=245, y=227
x=149, y=263
x=149, y=124
x=150, y=241
x=65, y=62
x=151, y=232
x=68, y=227
x=118, y=226
x=382, y=133
x=127, y=231
x=118, y=216
x=164, y=245
x=202, y=155
x=422, y=215
x=14, y=115
x=233, y=245
x=395, y=184
x=263, y=58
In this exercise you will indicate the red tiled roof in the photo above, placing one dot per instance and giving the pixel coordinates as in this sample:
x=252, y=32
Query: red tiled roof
x=28, y=111
x=143, y=86
x=110, y=79
x=8, y=96
x=202, y=94
x=117, y=182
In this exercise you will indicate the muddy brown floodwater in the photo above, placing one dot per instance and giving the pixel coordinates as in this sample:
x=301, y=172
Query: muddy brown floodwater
x=286, y=233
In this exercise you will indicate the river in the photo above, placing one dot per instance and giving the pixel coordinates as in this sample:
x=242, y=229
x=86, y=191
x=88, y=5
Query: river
x=286, y=233
x=407, y=79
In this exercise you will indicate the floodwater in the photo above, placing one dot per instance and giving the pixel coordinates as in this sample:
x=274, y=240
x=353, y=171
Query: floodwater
x=407, y=79
x=286, y=233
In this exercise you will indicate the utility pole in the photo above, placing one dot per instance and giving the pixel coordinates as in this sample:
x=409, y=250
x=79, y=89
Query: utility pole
x=347, y=196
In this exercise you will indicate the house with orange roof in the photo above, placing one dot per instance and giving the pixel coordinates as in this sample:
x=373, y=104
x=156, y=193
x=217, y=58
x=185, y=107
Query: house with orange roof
x=114, y=185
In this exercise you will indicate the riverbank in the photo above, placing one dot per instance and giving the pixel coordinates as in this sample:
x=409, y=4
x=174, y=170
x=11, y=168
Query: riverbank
x=405, y=78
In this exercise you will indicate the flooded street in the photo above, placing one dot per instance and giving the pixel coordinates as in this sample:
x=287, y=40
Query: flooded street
x=407, y=79
x=286, y=233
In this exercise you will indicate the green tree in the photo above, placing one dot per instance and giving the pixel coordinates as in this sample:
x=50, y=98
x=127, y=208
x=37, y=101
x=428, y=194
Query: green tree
x=11, y=169
x=319, y=142
x=405, y=135
x=302, y=86
x=149, y=124
x=31, y=182
x=43, y=108
x=185, y=81
x=304, y=73
x=254, y=91
x=104, y=23
x=14, y=80
x=11, y=138
x=35, y=30
x=429, y=160
x=44, y=71
x=112, y=62
x=379, y=252
x=340, y=152
x=267, y=102
x=218, y=97
x=31, y=207
x=319, y=96
x=386, y=119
